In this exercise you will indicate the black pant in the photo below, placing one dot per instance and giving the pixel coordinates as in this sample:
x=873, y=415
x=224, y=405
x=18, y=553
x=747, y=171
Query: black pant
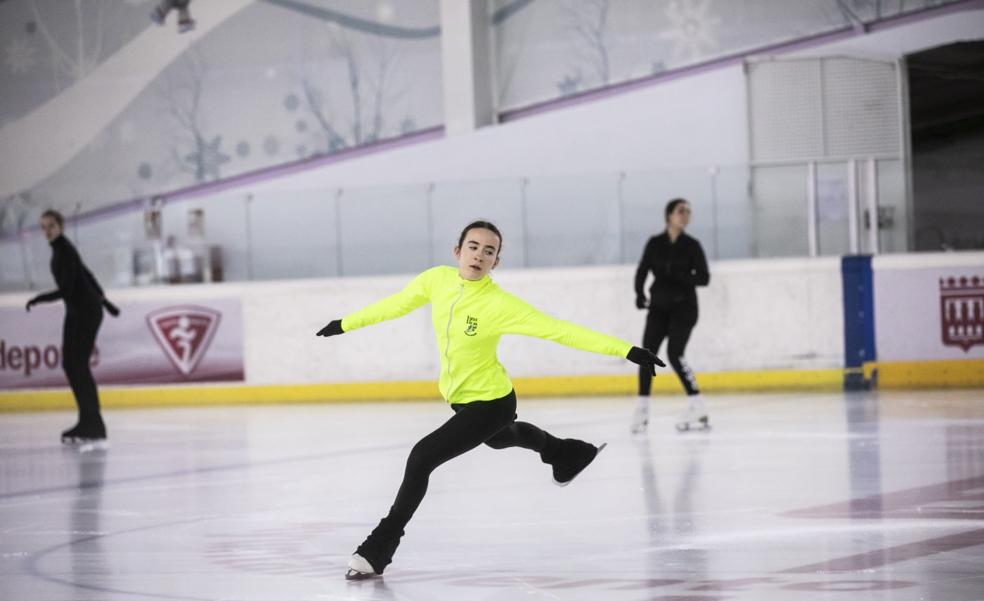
x=78, y=340
x=490, y=422
x=675, y=322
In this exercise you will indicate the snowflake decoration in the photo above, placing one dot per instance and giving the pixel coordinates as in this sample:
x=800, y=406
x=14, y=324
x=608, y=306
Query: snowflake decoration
x=291, y=102
x=336, y=143
x=209, y=158
x=20, y=55
x=408, y=125
x=569, y=84
x=693, y=33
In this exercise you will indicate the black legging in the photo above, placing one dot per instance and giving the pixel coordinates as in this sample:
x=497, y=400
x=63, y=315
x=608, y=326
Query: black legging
x=677, y=323
x=489, y=422
x=78, y=340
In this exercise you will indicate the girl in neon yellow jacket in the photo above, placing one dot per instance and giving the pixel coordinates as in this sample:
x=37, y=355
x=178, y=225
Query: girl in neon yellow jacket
x=470, y=314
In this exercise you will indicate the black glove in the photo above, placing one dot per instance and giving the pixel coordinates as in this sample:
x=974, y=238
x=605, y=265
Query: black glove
x=645, y=358
x=111, y=308
x=31, y=303
x=641, y=302
x=332, y=329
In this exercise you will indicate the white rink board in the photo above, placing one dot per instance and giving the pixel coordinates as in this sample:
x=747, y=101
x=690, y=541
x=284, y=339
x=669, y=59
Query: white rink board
x=761, y=314
x=908, y=316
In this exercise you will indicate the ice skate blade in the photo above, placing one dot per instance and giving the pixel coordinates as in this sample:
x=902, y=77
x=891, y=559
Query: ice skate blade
x=92, y=445
x=702, y=425
x=84, y=445
x=355, y=575
x=598, y=452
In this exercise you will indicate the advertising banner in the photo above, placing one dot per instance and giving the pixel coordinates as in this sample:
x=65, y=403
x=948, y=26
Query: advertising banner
x=150, y=343
x=929, y=313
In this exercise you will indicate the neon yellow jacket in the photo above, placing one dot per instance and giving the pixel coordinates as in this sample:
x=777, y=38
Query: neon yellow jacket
x=469, y=318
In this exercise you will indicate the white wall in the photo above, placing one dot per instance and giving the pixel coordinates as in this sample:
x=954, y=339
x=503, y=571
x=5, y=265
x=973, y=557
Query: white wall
x=782, y=314
x=908, y=304
x=691, y=121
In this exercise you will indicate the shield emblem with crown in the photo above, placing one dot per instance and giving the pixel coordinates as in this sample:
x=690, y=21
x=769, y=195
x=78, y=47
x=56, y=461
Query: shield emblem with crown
x=962, y=311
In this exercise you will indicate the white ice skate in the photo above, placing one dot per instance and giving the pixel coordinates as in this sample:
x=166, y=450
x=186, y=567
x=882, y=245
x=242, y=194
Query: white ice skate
x=640, y=417
x=88, y=446
x=694, y=418
x=359, y=568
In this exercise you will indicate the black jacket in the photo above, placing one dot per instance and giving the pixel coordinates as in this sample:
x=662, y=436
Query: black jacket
x=76, y=284
x=677, y=268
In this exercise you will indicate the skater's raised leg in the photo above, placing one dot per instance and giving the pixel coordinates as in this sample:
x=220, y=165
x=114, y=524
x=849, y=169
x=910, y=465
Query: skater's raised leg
x=471, y=425
x=568, y=457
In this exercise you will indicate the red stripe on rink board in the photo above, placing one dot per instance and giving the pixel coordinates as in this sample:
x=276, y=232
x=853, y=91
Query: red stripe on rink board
x=882, y=557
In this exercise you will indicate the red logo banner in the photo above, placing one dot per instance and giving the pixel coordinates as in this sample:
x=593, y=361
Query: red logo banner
x=962, y=311
x=184, y=333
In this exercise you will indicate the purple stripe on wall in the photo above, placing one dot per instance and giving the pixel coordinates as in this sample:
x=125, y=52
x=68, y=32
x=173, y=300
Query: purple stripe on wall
x=251, y=177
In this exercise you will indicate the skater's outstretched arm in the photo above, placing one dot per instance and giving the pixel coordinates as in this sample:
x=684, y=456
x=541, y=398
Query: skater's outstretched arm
x=67, y=262
x=525, y=320
x=47, y=297
x=415, y=295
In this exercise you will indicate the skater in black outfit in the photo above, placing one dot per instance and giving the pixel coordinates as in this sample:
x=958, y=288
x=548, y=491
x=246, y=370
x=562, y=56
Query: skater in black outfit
x=84, y=302
x=678, y=265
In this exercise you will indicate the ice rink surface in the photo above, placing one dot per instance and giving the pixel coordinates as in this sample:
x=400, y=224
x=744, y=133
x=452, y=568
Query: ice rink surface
x=790, y=496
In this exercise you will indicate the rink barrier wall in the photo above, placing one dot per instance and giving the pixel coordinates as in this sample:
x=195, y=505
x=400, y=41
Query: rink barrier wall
x=898, y=375
x=928, y=314
x=179, y=396
x=908, y=375
x=773, y=324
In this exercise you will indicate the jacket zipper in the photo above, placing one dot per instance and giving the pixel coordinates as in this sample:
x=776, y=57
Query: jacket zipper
x=447, y=334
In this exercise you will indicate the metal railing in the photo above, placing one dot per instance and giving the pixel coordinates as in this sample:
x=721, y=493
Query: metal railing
x=814, y=208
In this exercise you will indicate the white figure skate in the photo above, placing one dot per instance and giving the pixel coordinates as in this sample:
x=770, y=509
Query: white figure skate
x=694, y=418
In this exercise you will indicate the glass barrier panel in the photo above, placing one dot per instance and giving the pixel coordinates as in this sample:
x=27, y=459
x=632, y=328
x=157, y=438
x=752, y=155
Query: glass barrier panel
x=572, y=220
x=778, y=207
x=454, y=205
x=384, y=230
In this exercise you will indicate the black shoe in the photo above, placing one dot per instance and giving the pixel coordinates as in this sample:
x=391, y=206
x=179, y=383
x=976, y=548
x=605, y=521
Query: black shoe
x=573, y=457
x=87, y=430
x=69, y=436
